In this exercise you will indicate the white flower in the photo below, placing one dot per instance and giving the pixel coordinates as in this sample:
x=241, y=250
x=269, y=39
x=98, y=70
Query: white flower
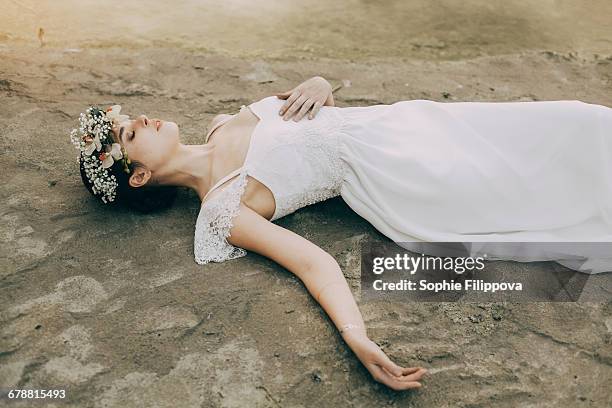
x=116, y=151
x=110, y=155
x=92, y=144
x=113, y=114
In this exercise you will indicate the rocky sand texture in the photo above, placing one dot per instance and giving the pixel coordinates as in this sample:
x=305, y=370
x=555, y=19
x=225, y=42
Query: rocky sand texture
x=111, y=306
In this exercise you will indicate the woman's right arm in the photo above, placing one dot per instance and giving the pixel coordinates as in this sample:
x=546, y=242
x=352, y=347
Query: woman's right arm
x=325, y=281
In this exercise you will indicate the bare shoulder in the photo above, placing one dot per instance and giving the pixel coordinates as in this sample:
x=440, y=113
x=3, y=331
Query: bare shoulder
x=217, y=119
x=253, y=232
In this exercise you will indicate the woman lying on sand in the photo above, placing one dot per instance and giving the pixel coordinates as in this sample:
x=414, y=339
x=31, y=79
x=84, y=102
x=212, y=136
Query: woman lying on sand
x=415, y=169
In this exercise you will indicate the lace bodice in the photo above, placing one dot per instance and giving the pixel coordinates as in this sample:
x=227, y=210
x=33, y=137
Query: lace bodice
x=300, y=162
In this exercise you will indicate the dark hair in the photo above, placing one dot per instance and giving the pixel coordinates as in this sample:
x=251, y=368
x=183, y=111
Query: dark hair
x=144, y=199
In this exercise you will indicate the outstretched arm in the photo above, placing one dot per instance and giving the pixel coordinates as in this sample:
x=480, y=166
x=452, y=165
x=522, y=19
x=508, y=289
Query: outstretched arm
x=310, y=95
x=323, y=278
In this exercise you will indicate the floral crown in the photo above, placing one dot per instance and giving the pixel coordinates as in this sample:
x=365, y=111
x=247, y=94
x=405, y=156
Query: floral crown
x=98, y=151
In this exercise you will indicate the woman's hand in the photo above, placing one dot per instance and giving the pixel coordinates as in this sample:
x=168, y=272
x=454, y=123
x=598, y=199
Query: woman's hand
x=311, y=93
x=381, y=367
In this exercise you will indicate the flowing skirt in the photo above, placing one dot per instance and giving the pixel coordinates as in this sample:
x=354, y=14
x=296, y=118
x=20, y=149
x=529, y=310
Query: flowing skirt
x=486, y=172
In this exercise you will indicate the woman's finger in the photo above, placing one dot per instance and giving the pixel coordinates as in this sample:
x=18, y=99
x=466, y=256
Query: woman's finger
x=389, y=365
x=294, y=95
x=410, y=370
x=315, y=109
x=415, y=376
x=391, y=381
x=294, y=107
x=399, y=385
x=305, y=108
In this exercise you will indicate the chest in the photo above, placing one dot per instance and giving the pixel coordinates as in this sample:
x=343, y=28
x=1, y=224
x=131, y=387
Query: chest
x=232, y=140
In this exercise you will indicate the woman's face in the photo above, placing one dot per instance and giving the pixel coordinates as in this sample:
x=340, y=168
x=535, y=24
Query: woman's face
x=148, y=141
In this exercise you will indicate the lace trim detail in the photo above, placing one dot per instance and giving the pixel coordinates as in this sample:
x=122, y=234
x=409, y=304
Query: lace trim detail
x=215, y=222
x=297, y=201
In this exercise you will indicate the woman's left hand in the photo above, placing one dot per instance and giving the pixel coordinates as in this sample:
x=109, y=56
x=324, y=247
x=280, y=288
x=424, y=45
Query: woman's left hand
x=311, y=93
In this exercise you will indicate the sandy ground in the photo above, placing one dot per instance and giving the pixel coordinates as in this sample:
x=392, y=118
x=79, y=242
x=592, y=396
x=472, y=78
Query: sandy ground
x=139, y=323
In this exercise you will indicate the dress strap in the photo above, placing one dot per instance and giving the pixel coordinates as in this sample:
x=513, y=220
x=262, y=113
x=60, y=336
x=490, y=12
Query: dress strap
x=223, y=180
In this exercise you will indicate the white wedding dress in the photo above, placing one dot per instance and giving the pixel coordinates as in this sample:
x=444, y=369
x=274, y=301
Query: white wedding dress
x=424, y=171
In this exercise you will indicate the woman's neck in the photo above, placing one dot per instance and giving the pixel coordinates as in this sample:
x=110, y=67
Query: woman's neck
x=190, y=166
